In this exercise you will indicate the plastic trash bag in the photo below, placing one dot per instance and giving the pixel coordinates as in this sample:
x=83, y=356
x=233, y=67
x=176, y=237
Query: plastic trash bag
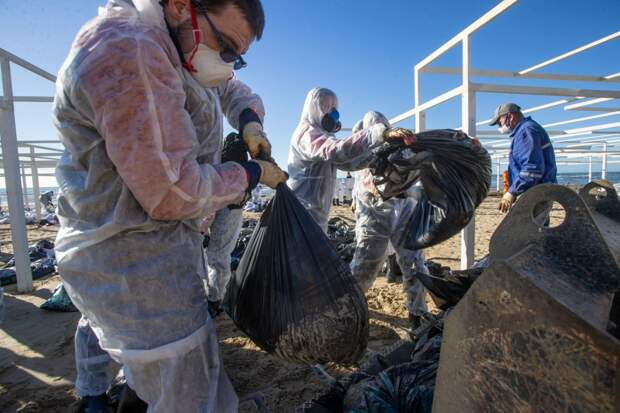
x=39, y=269
x=292, y=295
x=42, y=249
x=46, y=200
x=8, y=276
x=447, y=287
x=406, y=388
x=455, y=173
x=59, y=301
x=342, y=236
x=43, y=267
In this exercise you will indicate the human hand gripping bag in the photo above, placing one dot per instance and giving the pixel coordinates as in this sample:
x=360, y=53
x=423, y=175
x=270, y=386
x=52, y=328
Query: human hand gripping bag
x=292, y=294
x=454, y=171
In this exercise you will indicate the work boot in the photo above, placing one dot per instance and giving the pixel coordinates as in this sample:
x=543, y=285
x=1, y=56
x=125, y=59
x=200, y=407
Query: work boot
x=91, y=404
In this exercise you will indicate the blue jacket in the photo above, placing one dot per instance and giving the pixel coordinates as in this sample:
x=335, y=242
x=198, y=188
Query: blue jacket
x=531, y=159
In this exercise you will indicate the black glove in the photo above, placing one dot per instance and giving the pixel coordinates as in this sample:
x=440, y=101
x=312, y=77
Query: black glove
x=235, y=149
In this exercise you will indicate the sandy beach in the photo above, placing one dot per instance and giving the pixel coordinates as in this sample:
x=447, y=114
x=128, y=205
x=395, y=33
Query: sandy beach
x=36, y=347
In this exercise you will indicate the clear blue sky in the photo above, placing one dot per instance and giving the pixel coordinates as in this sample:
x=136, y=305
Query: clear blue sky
x=364, y=50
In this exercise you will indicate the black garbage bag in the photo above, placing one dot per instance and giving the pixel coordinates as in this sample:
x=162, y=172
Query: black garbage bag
x=342, y=236
x=447, y=287
x=41, y=249
x=405, y=388
x=455, y=173
x=8, y=276
x=292, y=295
x=39, y=269
x=242, y=242
x=59, y=301
x=43, y=267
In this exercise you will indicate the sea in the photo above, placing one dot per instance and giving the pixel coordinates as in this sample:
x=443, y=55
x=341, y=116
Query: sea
x=577, y=178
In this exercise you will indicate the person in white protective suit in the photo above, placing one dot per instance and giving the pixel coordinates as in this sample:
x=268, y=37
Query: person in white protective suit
x=140, y=173
x=380, y=223
x=316, y=154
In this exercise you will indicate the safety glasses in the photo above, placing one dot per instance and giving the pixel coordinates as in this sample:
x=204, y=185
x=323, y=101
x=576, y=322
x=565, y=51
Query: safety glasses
x=227, y=53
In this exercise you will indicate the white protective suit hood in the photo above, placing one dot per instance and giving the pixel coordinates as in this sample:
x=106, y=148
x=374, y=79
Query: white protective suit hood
x=315, y=154
x=151, y=12
x=319, y=101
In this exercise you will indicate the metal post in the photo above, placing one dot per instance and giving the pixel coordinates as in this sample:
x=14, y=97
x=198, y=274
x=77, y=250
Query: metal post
x=24, y=186
x=468, y=123
x=10, y=161
x=589, y=169
x=604, y=166
x=420, y=119
x=498, y=174
x=36, y=191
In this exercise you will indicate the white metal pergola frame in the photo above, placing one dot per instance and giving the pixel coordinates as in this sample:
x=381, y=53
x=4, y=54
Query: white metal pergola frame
x=573, y=99
x=12, y=162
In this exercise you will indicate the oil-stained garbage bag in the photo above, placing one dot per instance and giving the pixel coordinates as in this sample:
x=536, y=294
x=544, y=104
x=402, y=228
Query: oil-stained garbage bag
x=292, y=295
x=447, y=287
x=242, y=242
x=342, y=236
x=405, y=388
x=8, y=276
x=454, y=171
x=42, y=249
x=39, y=269
x=59, y=301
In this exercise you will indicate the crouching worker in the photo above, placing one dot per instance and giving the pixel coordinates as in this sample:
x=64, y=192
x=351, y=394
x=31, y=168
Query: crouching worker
x=379, y=223
x=316, y=154
x=135, y=188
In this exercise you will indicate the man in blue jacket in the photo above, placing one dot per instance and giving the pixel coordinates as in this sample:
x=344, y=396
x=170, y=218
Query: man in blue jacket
x=531, y=159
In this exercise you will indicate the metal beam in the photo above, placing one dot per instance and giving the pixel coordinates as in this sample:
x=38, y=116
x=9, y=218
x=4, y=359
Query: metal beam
x=487, y=17
x=8, y=134
x=548, y=91
x=40, y=175
x=44, y=164
x=33, y=99
x=28, y=66
x=571, y=53
x=37, y=154
x=505, y=73
x=427, y=105
x=28, y=142
x=594, y=127
x=420, y=119
x=35, y=185
x=538, y=108
x=597, y=109
x=574, y=106
x=596, y=138
x=582, y=119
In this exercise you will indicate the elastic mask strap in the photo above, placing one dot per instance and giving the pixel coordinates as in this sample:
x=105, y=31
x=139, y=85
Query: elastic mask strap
x=197, y=37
